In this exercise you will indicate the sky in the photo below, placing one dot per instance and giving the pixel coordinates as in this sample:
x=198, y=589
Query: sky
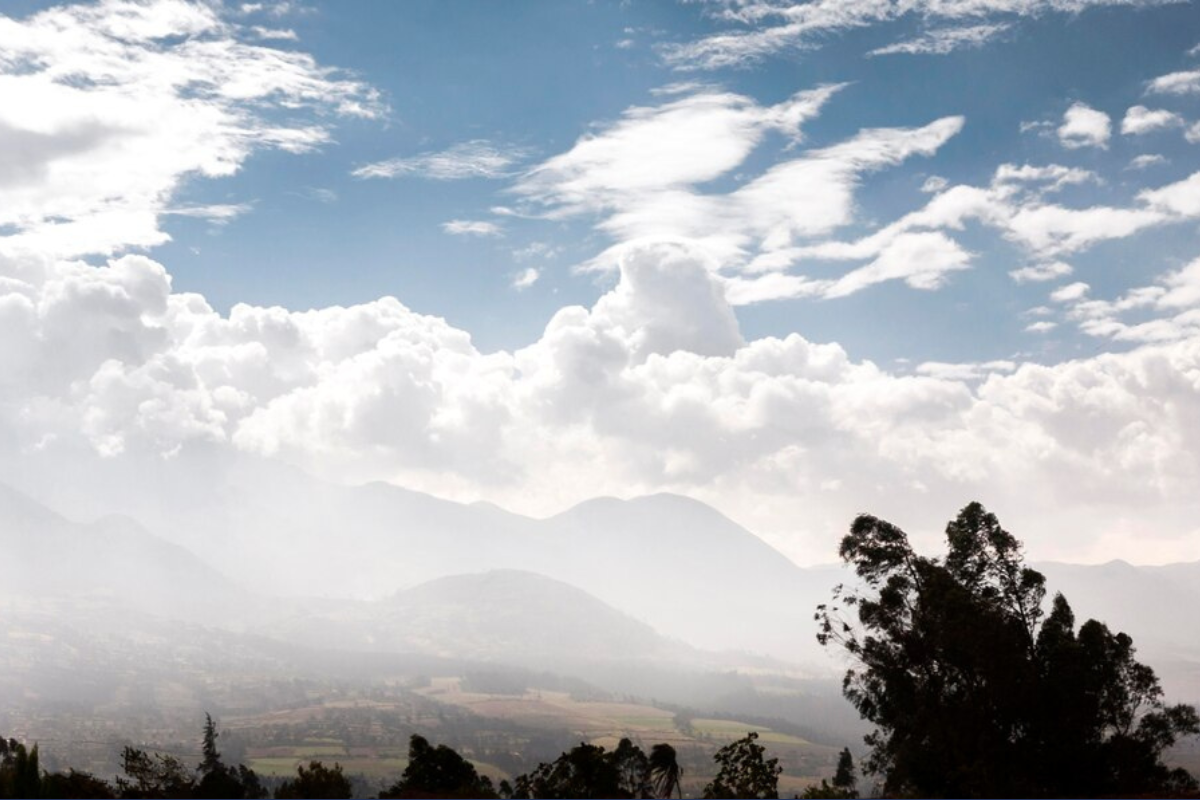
x=796, y=260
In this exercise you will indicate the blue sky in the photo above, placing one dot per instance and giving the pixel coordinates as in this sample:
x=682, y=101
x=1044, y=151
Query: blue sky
x=794, y=259
x=534, y=78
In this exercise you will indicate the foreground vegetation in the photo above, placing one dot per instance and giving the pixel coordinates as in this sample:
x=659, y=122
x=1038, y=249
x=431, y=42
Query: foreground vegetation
x=585, y=771
x=974, y=686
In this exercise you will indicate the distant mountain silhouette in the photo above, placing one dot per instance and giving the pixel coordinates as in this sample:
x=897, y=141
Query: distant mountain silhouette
x=673, y=563
x=114, y=558
x=511, y=616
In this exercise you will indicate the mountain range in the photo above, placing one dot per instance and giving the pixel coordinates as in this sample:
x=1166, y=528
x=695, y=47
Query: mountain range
x=378, y=567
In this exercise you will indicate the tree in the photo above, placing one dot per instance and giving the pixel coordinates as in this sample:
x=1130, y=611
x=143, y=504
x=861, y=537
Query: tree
x=843, y=776
x=633, y=770
x=218, y=780
x=843, y=786
x=665, y=772
x=317, y=782
x=20, y=775
x=589, y=771
x=438, y=772
x=974, y=691
x=74, y=783
x=211, y=757
x=743, y=773
x=154, y=776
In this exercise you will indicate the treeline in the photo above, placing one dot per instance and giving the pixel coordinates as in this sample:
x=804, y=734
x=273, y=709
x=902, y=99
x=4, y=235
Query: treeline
x=586, y=771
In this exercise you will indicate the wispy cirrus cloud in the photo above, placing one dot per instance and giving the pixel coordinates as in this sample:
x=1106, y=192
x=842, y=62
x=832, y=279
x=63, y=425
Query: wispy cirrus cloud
x=105, y=109
x=477, y=158
x=945, y=40
x=762, y=28
x=641, y=178
x=472, y=227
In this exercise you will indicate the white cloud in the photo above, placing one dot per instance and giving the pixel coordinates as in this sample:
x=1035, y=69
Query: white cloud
x=1185, y=82
x=217, y=213
x=967, y=371
x=536, y=250
x=1146, y=160
x=1036, y=273
x=1181, y=198
x=1084, y=126
x=934, y=183
x=922, y=260
x=1192, y=134
x=1139, y=120
x=1048, y=178
x=281, y=34
x=106, y=109
x=474, y=159
x=525, y=278
x=651, y=388
x=1170, y=310
x=1015, y=204
x=686, y=141
x=639, y=177
x=472, y=227
x=944, y=40
x=768, y=27
x=1041, y=326
x=1070, y=292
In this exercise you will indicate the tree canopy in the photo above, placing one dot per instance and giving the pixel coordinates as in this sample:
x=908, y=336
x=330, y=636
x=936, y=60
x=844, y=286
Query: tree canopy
x=975, y=691
x=743, y=772
x=438, y=772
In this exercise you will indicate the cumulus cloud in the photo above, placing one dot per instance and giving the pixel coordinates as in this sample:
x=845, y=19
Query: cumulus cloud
x=651, y=388
x=1139, y=120
x=1070, y=292
x=1084, y=126
x=106, y=109
x=1185, y=82
x=478, y=158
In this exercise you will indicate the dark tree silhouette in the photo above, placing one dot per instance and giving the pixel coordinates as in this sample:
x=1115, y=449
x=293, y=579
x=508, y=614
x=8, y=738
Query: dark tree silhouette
x=743, y=773
x=844, y=777
x=154, y=776
x=633, y=770
x=212, y=757
x=844, y=785
x=665, y=772
x=218, y=780
x=20, y=775
x=588, y=771
x=438, y=772
x=973, y=693
x=75, y=784
x=317, y=782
